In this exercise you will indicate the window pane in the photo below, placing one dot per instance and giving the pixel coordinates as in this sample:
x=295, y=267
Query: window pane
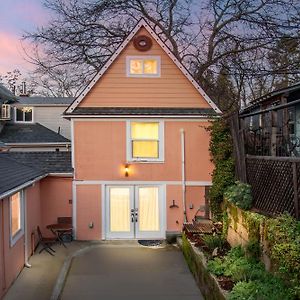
x=19, y=116
x=150, y=66
x=144, y=130
x=147, y=149
x=136, y=66
x=28, y=114
x=15, y=213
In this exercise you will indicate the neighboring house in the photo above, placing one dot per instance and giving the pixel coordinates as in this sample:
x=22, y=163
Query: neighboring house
x=140, y=145
x=272, y=123
x=46, y=111
x=35, y=189
x=32, y=137
x=6, y=98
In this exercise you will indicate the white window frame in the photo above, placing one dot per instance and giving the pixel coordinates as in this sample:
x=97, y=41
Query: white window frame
x=15, y=115
x=5, y=111
x=144, y=57
x=14, y=238
x=161, y=142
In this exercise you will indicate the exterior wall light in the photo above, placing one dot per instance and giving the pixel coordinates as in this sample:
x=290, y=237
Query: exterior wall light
x=126, y=169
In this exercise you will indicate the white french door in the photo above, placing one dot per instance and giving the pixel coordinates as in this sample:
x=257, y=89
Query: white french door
x=135, y=212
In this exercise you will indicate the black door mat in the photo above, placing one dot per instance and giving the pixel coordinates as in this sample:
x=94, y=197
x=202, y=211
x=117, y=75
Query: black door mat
x=151, y=243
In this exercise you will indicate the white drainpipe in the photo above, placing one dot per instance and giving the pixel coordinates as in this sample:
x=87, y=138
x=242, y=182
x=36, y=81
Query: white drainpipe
x=182, y=135
x=27, y=264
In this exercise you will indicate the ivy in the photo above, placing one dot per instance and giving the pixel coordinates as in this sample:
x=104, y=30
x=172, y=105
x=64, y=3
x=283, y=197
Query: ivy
x=221, y=155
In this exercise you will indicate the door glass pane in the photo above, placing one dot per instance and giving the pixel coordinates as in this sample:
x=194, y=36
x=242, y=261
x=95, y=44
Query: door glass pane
x=148, y=209
x=119, y=209
x=19, y=116
x=148, y=149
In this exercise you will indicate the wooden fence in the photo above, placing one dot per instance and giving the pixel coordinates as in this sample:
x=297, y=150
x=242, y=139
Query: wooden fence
x=275, y=183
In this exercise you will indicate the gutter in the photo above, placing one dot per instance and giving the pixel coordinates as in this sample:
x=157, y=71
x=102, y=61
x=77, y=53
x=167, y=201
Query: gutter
x=39, y=144
x=22, y=186
x=182, y=139
x=145, y=116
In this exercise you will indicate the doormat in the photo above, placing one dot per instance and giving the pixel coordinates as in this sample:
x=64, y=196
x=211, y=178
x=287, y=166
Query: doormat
x=150, y=243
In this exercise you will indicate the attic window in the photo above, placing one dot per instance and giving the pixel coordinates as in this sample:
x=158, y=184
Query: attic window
x=143, y=66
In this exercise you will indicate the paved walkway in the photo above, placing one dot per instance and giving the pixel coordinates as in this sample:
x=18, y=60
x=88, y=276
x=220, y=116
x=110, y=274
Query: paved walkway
x=130, y=272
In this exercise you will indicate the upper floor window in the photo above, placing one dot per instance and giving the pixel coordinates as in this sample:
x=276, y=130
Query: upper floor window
x=24, y=114
x=145, y=141
x=16, y=217
x=143, y=66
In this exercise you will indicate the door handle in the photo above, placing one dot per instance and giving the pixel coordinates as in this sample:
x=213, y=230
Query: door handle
x=132, y=215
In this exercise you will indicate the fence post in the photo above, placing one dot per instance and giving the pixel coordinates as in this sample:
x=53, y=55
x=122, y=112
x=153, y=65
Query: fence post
x=295, y=184
x=273, y=132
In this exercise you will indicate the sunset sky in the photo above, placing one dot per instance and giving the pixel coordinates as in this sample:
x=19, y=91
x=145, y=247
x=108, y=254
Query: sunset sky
x=16, y=17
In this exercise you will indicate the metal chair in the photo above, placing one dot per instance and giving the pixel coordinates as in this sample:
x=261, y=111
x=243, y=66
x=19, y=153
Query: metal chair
x=46, y=242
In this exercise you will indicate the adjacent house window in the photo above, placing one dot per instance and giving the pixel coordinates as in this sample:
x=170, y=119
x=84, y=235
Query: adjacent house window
x=145, y=141
x=16, y=217
x=143, y=66
x=5, y=111
x=24, y=114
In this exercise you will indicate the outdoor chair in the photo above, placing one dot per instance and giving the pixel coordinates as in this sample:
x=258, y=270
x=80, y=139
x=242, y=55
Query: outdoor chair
x=67, y=236
x=46, y=242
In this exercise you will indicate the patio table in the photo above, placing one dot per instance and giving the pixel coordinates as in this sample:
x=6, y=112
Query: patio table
x=59, y=230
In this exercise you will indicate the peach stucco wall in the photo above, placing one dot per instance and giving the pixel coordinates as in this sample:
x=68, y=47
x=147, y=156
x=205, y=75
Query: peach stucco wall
x=88, y=204
x=12, y=256
x=171, y=89
x=100, y=152
x=56, y=192
x=33, y=214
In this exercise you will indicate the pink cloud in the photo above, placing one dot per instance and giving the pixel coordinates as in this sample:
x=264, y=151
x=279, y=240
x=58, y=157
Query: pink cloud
x=11, y=54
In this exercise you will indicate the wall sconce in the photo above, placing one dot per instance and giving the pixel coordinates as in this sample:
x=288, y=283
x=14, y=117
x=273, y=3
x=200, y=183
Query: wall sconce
x=126, y=169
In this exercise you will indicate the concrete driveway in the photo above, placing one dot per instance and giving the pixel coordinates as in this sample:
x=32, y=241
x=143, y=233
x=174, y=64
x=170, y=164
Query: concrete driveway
x=121, y=272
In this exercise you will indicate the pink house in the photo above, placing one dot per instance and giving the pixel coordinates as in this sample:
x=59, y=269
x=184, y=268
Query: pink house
x=139, y=144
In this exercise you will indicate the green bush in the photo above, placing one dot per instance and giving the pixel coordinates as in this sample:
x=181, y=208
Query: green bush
x=221, y=155
x=240, y=195
x=253, y=250
x=214, y=241
x=283, y=234
x=273, y=289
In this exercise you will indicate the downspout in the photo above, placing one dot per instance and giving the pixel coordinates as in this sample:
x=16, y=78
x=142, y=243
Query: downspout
x=182, y=138
x=27, y=264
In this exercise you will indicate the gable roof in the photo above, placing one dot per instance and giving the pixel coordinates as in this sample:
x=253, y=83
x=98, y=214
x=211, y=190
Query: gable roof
x=6, y=96
x=140, y=24
x=13, y=133
x=45, y=101
x=16, y=174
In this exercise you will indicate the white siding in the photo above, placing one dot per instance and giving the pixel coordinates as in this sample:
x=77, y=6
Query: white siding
x=51, y=117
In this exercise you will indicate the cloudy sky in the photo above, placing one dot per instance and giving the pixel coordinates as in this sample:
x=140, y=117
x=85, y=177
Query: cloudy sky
x=17, y=16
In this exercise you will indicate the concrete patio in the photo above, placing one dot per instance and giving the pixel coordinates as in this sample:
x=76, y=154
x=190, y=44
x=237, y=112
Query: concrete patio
x=107, y=270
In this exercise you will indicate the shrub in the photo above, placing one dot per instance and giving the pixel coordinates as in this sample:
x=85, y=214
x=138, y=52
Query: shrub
x=253, y=250
x=240, y=195
x=283, y=234
x=214, y=241
x=221, y=155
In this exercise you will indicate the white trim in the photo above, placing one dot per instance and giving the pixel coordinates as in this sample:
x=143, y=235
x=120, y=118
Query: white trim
x=103, y=209
x=23, y=122
x=144, y=57
x=106, y=182
x=114, y=117
x=59, y=144
x=72, y=145
x=99, y=119
x=74, y=207
x=69, y=175
x=185, y=72
x=14, y=238
x=161, y=143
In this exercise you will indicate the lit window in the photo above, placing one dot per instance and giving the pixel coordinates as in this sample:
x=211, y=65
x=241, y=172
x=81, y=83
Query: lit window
x=143, y=66
x=24, y=114
x=16, y=217
x=145, y=142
